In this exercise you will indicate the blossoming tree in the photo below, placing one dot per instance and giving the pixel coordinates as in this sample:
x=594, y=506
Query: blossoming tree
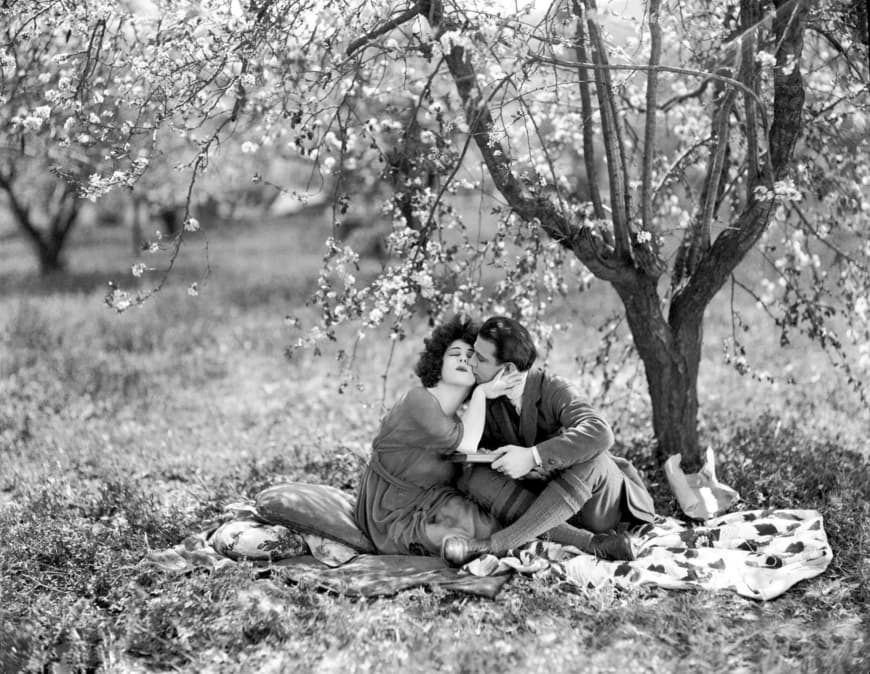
x=40, y=170
x=654, y=164
x=92, y=94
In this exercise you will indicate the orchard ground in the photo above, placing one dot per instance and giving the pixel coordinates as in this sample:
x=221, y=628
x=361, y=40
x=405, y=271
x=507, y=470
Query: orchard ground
x=121, y=434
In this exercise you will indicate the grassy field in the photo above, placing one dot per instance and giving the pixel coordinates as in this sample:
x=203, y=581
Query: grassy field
x=120, y=434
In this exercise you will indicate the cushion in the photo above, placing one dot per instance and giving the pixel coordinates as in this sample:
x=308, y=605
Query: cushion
x=256, y=541
x=314, y=509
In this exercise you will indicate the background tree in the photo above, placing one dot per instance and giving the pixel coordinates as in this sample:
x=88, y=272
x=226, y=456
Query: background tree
x=655, y=164
x=95, y=91
x=43, y=204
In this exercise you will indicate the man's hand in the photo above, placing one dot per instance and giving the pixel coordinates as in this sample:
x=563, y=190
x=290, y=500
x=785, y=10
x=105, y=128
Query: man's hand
x=514, y=461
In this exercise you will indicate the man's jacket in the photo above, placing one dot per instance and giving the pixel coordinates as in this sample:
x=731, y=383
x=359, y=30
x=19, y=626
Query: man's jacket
x=566, y=430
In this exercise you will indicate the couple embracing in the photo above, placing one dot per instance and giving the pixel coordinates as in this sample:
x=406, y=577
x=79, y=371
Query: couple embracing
x=552, y=475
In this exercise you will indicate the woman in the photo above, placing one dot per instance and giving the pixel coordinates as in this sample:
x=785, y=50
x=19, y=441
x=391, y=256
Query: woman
x=406, y=502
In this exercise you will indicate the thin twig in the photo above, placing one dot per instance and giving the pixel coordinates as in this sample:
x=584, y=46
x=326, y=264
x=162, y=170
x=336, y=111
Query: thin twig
x=793, y=206
x=676, y=165
x=694, y=93
x=546, y=154
x=386, y=373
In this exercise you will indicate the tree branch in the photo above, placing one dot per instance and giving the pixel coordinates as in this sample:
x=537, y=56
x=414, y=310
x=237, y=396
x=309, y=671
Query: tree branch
x=384, y=28
x=788, y=89
x=750, y=16
x=586, y=115
x=612, y=139
x=733, y=243
x=650, y=125
x=711, y=193
x=91, y=58
x=696, y=241
x=581, y=240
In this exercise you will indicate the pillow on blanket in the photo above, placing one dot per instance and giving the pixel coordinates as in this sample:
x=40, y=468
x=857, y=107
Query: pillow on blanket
x=255, y=541
x=313, y=509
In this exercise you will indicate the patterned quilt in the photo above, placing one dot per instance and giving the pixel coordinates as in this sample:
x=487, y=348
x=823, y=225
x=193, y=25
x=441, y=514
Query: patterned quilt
x=755, y=553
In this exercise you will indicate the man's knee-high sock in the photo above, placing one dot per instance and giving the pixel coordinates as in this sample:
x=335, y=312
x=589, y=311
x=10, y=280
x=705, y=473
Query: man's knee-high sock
x=567, y=534
x=549, y=510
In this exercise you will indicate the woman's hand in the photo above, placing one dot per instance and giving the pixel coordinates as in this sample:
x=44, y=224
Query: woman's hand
x=501, y=384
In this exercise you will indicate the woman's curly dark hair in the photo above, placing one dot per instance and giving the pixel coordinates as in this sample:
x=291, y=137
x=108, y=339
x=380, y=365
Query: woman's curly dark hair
x=428, y=366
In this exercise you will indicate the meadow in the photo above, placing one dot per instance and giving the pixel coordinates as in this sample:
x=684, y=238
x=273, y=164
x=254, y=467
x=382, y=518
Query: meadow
x=121, y=434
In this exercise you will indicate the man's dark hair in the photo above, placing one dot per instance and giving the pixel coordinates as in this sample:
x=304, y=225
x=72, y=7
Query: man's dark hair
x=513, y=343
x=428, y=366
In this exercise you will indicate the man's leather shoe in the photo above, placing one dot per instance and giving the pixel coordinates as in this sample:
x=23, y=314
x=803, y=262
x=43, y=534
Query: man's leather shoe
x=457, y=550
x=613, y=546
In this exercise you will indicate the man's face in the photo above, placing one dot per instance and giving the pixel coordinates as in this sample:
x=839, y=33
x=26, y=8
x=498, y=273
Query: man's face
x=484, y=364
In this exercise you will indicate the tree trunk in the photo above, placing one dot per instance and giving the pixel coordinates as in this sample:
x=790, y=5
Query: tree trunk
x=49, y=254
x=63, y=214
x=672, y=378
x=671, y=356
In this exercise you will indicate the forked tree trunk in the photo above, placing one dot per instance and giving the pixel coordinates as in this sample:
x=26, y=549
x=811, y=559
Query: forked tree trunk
x=671, y=355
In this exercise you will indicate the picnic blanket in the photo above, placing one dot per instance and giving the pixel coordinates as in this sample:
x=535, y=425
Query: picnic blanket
x=755, y=553
x=277, y=551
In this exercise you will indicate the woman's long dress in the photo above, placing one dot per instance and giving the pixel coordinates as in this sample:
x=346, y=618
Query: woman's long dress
x=406, y=502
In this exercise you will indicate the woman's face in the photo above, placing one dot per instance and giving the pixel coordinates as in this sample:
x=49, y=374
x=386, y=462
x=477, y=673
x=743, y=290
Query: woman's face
x=456, y=368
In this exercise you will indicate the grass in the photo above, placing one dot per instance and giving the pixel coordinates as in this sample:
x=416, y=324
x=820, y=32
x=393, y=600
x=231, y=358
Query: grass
x=121, y=434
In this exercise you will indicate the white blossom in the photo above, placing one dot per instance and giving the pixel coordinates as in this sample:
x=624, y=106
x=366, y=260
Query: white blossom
x=765, y=59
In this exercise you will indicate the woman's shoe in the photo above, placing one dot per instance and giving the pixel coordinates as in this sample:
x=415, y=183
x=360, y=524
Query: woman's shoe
x=457, y=550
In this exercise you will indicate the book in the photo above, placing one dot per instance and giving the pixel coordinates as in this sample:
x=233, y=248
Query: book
x=477, y=457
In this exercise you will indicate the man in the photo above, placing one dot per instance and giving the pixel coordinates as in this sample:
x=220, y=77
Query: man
x=554, y=474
